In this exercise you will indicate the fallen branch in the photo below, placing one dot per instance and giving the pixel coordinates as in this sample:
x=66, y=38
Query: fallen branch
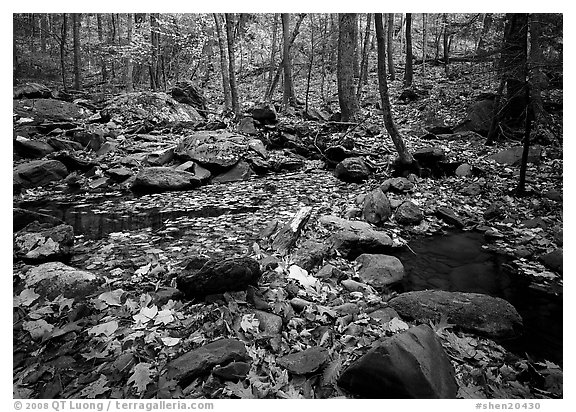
x=290, y=232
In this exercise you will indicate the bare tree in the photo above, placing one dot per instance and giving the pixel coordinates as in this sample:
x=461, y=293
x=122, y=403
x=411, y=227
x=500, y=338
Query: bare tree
x=231, y=63
x=348, y=32
x=223, y=63
x=364, y=60
x=288, y=95
x=408, y=72
x=63, y=38
x=390, y=52
x=129, y=63
x=77, y=60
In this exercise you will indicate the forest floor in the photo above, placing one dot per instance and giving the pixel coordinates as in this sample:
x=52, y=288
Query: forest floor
x=141, y=243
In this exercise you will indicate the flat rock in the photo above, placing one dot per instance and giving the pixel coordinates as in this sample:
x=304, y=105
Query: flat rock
x=513, y=156
x=474, y=312
x=48, y=110
x=379, y=271
x=39, y=172
x=304, y=362
x=240, y=171
x=377, y=209
x=352, y=170
x=409, y=365
x=384, y=315
x=449, y=216
x=397, y=184
x=158, y=179
x=31, y=91
x=234, y=371
x=54, y=278
x=219, y=276
x=31, y=149
x=200, y=361
x=408, y=214
x=37, y=243
x=160, y=157
x=269, y=322
x=120, y=174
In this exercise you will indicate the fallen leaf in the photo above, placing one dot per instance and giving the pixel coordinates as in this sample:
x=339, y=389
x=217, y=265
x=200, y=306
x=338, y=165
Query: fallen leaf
x=250, y=323
x=112, y=298
x=140, y=378
x=26, y=298
x=96, y=388
x=37, y=328
x=107, y=328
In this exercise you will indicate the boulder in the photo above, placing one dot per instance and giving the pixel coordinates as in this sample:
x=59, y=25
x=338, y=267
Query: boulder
x=352, y=170
x=304, y=362
x=408, y=214
x=200, y=361
x=310, y=254
x=513, y=156
x=449, y=216
x=55, y=278
x=377, y=209
x=409, y=365
x=246, y=126
x=48, y=110
x=119, y=174
x=397, y=184
x=554, y=260
x=240, y=171
x=219, y=276
x=258, y=147
x=160, y=157
x=158, y=179
x=31, y=149
x=379, y=271
x=23, y=217
x=473, y=312
x=352, y=238
x=234, y=371
x=186, y=92
x=464, y=170
x=478, y=118
x=328, y=271
x=31, y=91
x=39, y=172
x=269, y=322
x=264, y=113
x=219, y=156
x=384, y=315
x=41, y=243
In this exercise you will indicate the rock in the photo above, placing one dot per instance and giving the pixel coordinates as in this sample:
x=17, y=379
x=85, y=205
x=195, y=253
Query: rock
x=73, y=162
x=186, y=92
x=107, y=147
x=158, y=179
x=39, y=172
x=473, y=312
x=408, y=214
x=264, y=113
x=119, y=174
x=328, y=271
x=64, y=144
x=31, y=149
x=31, y=91
x=353, y=286
x=347, y=308
x=534, y=223
x=288, y=234
x=283, y=163
x=317, y=114
x=55, y=278
x=246, y=126
x=473, y=189
x=22, y=218
x=160, y=157
x=258, y=147
x=299, y=304
x=554, y=260
x=478, y=118
x=240, y=171
x=269, y=322
x=449, y=216
x=352, y=170
x=397, y=184
x=304, y=362
x=409, y=365
x=494, y=211
x=37, y=243
x=48, y=110
x=377, y=209
x=384, y=315
x=554, y=195
x=408, y=95
x=234, y=371
x=200, y=361
x=354, y=238
x=464, y=170
x=219, y=276
x=429, y=155
x=513, y=156
x=310, y=254
x=217, y=157
x=164, y=294
x=379, y=271
x=336, y=154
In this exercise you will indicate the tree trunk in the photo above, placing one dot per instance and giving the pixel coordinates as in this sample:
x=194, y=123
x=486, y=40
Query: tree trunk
x=348, y=31
x=272, y=52
x=513, y=63
x=390, y=52
x=231, y=63
x=223, y=64
x=287, y=97
x=129, y=64
x=43, y=31
x=63, y=38
x=424, y=42
x=535, y=68
x=77, y=61
x=101, y=43
x=365, y=52
x=408, y=72
x=404, y=155
x=486, y=25
x=446, y=44
x=493, y=132
x=521, y=189
x=310, y=61
x=153, y=67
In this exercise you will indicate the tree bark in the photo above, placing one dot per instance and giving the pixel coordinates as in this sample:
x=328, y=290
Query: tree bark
x=486, y=25
x=446, y=44
x=365, y=52
x=424, y=41
x=408, y=72
x=288, y=95
x=63, y=38
x=101, y=43
x=404, y=155
x=232, y=64
x=223, y=64
x=348, y=31
x=535, y=68
x=129, y=63
x=513, y=63
x=155, y=41
x=77, y=60
x=43, y=31
x=390, y=52
x=521, y=189
x=273, y=51
x=310, y=61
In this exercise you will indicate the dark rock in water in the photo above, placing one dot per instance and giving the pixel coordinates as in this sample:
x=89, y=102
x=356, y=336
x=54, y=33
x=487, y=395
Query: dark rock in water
x=304, y=362
x=513, y=156
x=186, y=92
x=240, y=171
x=409, y=365
x=246, y=126
x=234, y=371
x=310, y=254
x=31, y=149
x=449, y=216
x=408, y=214
x=159, y=179
x=478, y=118
x=397, y=184
x=219, y=276
x=554, y=260
x=379, y=270
x=352, y=170
x=31, y=91
x=201, y=361
x=41, y=243
x=377, y=209
x=264, y=113
x=55, y=278
x=39, y=172
x=22, y=218
x=474, y=312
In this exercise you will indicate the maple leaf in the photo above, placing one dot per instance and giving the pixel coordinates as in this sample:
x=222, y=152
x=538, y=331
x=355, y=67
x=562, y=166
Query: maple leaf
x=107, y=328
x=441, y=325
x=164, y=317
x=37, y=328
x=168, y=341
x=140, y=378
x=145, y=315
x=112, y=298
x=96, y=388
x=26, y=298
x=309, y=282
x=238, y=389
x=291, y=393
x=250, y=323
